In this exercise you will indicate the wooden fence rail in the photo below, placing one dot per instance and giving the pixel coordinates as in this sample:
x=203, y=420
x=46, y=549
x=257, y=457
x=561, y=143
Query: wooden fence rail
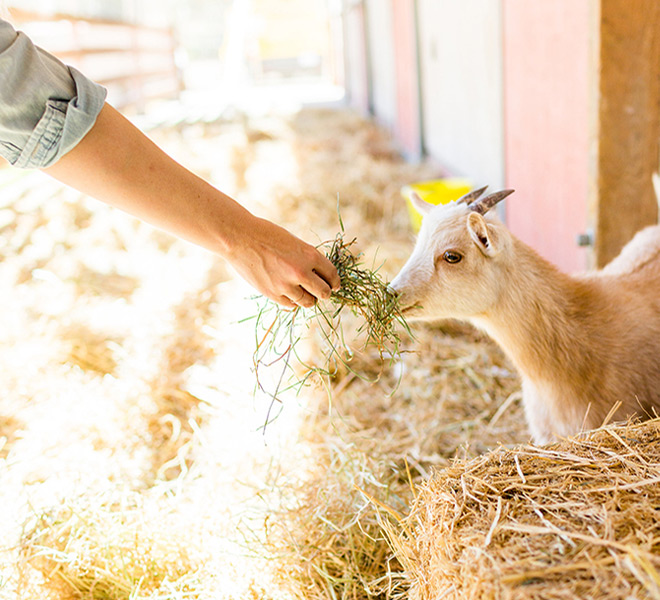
x=136, y=63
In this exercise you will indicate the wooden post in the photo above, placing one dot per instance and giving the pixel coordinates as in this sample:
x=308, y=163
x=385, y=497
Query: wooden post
x=628, y=128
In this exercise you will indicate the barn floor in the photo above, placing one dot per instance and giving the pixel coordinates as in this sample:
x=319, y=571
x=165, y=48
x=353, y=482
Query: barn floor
x=133, y=458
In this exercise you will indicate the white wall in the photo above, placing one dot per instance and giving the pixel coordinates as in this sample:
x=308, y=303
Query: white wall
x=355, y=60
x=461, y=80
x=381, y=61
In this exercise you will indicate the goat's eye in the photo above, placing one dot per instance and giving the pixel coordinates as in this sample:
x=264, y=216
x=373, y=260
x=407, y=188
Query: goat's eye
x=451, y=256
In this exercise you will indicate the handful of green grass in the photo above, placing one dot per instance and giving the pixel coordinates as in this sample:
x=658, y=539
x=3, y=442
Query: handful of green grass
x=363, y=293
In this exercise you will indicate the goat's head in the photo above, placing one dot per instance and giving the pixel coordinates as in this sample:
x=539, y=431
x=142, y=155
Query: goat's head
x=456, y=268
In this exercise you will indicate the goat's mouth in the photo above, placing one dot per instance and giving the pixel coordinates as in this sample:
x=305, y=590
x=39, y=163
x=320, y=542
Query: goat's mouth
x=404, y=306
x=410, y=309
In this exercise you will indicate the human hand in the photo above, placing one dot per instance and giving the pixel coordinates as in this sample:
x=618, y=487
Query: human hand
x=282, y=266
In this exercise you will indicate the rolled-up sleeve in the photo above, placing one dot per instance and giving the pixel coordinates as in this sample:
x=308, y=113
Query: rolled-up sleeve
x=46, y=107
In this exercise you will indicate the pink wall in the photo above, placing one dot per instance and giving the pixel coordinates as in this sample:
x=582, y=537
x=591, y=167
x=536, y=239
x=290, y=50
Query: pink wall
x=546, y=101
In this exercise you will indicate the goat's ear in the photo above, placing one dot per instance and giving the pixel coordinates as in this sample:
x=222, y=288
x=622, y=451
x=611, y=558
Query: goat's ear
x=422, y=206
x=482, y=235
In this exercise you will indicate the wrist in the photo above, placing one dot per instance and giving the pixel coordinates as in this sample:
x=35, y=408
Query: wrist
x=236, y=230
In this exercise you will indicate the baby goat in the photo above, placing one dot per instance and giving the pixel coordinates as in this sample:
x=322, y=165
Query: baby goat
x=582, y=344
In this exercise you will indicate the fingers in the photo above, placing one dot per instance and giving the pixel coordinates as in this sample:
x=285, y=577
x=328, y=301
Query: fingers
x=316, y=286
x=285, y=302
x=321, y=281
x=328, y=272
x=316, y=283
x=286, y=269
x=295, y=298
x=302, y=298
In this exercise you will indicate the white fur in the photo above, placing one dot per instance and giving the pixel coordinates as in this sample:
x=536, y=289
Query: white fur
x=582, y=345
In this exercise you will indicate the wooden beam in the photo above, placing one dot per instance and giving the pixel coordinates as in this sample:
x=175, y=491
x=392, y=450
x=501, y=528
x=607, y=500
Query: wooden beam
x=628, y=130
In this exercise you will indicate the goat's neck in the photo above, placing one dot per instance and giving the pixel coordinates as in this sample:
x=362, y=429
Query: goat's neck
x=539, y=321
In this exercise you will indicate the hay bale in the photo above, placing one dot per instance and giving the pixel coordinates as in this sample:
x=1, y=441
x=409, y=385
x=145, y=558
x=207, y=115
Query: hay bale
x=578, y=519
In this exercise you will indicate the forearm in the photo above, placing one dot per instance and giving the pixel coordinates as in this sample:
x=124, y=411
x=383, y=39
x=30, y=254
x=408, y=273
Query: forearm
x=118, y=164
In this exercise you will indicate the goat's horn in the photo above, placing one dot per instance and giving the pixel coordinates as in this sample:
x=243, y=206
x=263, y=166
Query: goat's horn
x=471, y=196
x=485, y=204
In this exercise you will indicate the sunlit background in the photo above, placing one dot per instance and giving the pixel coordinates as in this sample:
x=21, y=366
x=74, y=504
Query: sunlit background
x=134, y=463
x=208, y=56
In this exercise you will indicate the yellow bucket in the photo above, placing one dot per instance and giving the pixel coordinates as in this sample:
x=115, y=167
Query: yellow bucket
x=436, y=191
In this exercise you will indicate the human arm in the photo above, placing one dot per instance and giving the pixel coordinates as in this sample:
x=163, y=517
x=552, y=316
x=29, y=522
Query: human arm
x=116, y=163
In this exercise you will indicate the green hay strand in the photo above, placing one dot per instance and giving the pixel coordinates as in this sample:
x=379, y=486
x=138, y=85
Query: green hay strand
x=363, y=293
